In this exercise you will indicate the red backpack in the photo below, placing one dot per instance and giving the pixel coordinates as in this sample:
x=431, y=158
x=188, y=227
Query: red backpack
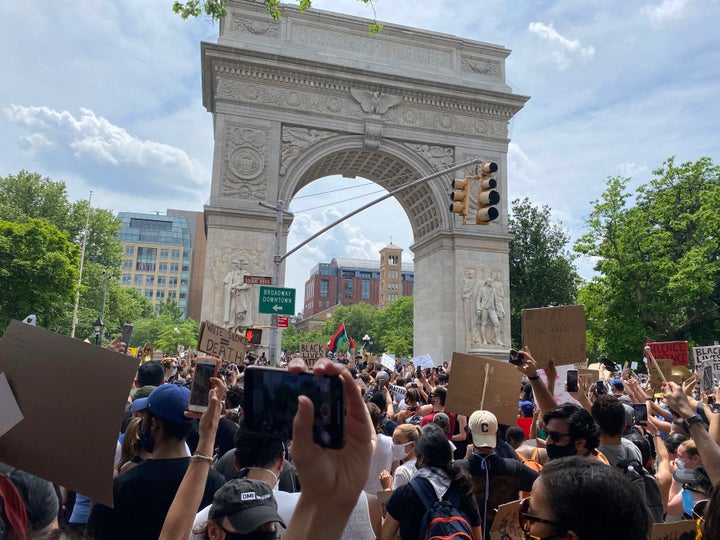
x=13, y=516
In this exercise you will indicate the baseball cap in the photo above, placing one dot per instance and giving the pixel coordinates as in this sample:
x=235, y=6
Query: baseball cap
x=382, y=375
x=442, y=420
x=169, y=402
x=528, y=407
x=140, y=404
x=617, y=384
x=246, y=503
x=484, y=426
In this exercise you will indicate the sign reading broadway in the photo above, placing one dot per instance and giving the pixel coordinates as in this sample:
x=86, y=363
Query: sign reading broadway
x=277, y=301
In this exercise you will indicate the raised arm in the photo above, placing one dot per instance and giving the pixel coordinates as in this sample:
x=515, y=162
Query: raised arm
x=543, y=397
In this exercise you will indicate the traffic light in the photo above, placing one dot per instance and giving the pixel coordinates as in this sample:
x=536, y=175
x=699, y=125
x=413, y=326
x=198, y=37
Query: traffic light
x=253, y=336
x=487, y=196
x=460, y=197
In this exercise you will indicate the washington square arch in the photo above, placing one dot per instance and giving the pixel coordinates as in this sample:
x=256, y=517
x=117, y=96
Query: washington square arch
x=313, y=95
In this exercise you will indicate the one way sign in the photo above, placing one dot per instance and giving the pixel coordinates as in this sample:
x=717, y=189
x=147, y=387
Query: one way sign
x=277, y=301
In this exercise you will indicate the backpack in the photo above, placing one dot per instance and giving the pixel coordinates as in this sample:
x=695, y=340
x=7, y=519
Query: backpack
x=443, y=519
x=647, y=485
x=13, y=516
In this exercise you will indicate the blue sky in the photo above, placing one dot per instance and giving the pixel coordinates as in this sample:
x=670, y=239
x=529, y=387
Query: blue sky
x=106, y=96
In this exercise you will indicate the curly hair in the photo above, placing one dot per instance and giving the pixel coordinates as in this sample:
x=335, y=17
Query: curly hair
x=609, y=414
x=581, y=424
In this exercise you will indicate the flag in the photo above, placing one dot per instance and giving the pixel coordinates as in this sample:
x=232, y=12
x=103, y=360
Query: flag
x=338, y=338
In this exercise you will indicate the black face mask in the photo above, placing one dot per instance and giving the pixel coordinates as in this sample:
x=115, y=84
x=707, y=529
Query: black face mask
x=555, y=451
x=147, y=441
x=255, y=535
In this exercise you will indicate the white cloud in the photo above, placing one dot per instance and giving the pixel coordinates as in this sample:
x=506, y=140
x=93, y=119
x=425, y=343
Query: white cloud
x=667, y=10
x=563, y=50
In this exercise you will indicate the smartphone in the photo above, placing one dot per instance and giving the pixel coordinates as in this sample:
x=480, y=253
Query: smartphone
x=271, y=403
x=600, y=388
x=572, y=380
x=199, y=393
x=640, y=413
x=232, y=367
x=125, y=335
x=517, y=358
x=413, y=385
x=380, y=383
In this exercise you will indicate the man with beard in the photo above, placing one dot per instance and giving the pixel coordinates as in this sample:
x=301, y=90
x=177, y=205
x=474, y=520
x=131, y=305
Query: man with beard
x=572, y=431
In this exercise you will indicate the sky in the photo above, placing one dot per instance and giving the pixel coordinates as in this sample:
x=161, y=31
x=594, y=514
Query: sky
x=106, y=96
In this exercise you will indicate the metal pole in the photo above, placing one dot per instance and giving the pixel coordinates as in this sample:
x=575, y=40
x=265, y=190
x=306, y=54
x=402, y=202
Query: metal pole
x=107, y=280
x=82, y=261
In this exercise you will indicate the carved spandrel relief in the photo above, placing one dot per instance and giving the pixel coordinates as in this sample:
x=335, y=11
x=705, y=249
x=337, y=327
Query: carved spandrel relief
x=258, y=27
x=246, y=162
x=295, y=140
x=483, y=301
x=375, y=103
x=487, y=68
x=439, y=157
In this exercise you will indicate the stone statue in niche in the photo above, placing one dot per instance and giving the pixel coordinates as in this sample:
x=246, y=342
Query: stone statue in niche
x=489, y=304
x=468, y=297
x=237, y=307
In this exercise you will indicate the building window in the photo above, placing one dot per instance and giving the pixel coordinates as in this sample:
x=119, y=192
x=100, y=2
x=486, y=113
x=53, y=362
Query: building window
x=162, y=267
x=172, y=282
x=149, y=293
x=324, y=283
x=127, y=265
x=392, y=259
x=160, y=295
x=129, y=251
x=327, y=303
x=146, y=259
x=164, y=253
x=365, y=291
x=149, y=280
x=348, y=288
x=174, y=268
x=161, y=281
x=138, y=279
x=172, y=295
x=175, y=253
x=320, y=304
x=126, y=278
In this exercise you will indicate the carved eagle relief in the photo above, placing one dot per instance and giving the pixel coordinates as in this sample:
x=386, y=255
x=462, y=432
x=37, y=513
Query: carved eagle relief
x=374, y=102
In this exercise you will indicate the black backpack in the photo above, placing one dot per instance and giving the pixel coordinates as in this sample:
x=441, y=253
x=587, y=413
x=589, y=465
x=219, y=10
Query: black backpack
x=647, y=485
x=443, y=519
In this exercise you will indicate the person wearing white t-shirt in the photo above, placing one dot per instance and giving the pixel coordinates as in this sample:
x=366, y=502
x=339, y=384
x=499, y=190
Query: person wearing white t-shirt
x=403, y=449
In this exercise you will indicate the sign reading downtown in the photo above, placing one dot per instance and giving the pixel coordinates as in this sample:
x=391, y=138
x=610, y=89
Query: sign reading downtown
x=277, y=301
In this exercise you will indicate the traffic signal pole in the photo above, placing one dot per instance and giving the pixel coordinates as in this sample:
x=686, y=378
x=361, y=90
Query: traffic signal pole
x=279, y=257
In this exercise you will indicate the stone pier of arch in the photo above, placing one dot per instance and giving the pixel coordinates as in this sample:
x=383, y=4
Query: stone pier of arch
x=313, y=95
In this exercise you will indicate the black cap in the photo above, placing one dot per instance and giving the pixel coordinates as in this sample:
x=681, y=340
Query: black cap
x=248, y=504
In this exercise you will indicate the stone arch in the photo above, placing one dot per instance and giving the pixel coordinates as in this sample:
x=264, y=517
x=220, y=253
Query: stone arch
x=389, y=166
x=312, y=95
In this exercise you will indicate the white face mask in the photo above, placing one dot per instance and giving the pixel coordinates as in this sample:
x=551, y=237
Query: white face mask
x=173, y=372
x=679, y=464
x=398, y=451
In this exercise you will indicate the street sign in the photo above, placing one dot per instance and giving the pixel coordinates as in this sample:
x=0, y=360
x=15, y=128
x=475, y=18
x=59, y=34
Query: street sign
x=257, y=280
x=283, y=322
x=277, y=301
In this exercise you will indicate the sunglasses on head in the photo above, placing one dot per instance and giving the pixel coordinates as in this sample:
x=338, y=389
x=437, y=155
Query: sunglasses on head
x=526, y=520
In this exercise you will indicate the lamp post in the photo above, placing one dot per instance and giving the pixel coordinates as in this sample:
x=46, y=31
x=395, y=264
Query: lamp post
x=98, y=330
x=367, y=340
x=107, y=277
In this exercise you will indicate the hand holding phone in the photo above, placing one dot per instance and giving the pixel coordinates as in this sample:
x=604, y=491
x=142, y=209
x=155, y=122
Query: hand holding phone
x=126, y=334
x=572, y=380
x=200, y=391
x=517, y=358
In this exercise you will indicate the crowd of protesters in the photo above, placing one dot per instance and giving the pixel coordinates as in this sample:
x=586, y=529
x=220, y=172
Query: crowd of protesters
x=592, y=469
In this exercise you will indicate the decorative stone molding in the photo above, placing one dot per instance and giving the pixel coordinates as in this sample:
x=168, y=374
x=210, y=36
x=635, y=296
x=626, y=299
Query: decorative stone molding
x=488, y=68
x=251, y=25
x=245, y=171
x=375, y=103
x=373, y=135
x=438, y=157
x=295, y=140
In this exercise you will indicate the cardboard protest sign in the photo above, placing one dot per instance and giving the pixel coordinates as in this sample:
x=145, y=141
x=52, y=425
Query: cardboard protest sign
x=589, y=377
x=555, y=333
x=312, y=352
x=708, y=356
x=73, y=396
x=424, y=362
x=465, y=388
x=559, y=393
x=679, y=530
x=399, y=391
x=221, y=342
x=10, y=413
x=677, y=351
x=507, y=524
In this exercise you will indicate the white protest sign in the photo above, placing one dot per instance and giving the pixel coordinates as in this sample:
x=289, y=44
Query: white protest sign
x=388, y=361
x=10, y=414
x=399, y=391
x=423, y=362
x=633, y=366
x=706, y=359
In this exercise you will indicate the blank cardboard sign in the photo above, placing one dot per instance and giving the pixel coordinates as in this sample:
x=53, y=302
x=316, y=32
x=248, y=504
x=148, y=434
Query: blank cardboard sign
x=555, y=333
x=73, y=396
x=467, y=380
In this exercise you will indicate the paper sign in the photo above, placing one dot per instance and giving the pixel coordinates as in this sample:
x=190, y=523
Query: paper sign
x=465, y=387
x=312, y=352
x=679, y=530
x=399, y=391
x=708, y=356
x=72, y=394
x=507, y=525
x=677, y=351
x=555, y=333
x=223, y=343
x=10, y=414
x=423, y=362
x=388, y=361
x=560, y=395
x=589, y=377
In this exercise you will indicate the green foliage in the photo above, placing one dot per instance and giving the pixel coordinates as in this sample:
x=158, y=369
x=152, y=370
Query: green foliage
x=185, y=333
x=165, y=331
x=38, y=271
x=658, y=260
x=217, y=9
x=542, y=272
x=393, y=328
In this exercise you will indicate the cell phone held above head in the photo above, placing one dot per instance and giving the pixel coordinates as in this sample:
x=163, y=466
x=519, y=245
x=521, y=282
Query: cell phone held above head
x=517, y=358
x=200, y=391
x=271, y=398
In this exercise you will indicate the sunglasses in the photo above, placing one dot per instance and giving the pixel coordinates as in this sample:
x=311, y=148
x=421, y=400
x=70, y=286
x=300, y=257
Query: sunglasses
x=526, y=519
x=556, y=436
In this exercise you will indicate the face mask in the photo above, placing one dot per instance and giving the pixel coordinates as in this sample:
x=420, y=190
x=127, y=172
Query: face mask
x=255, y=535
x=173, y=372
x=147, y=441
x=555, y=451
x=398, y=451
x=679, y=464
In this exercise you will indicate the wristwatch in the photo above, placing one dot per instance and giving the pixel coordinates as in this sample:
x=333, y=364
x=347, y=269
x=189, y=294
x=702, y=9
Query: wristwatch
x=694, y=419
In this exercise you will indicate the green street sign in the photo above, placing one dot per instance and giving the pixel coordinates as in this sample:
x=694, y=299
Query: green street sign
x=277, y=301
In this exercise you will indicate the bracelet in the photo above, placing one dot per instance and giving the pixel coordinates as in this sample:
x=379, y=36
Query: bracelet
x=649, y=399
x=535, y=378
x=201, y=457
x=694, y=419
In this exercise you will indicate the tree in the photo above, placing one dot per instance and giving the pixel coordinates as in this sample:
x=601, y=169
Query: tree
x=542, y=272
x=38, y=271
x=393, y=329
x=216, y=9
x=658, y=260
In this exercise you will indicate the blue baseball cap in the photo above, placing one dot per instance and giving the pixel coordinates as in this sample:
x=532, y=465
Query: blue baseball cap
x=528, y=407
x=140, y=404
x=169, y=402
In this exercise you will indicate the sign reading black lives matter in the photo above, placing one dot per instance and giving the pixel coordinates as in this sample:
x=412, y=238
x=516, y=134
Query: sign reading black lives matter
x=707, y=360
x=311, y=352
